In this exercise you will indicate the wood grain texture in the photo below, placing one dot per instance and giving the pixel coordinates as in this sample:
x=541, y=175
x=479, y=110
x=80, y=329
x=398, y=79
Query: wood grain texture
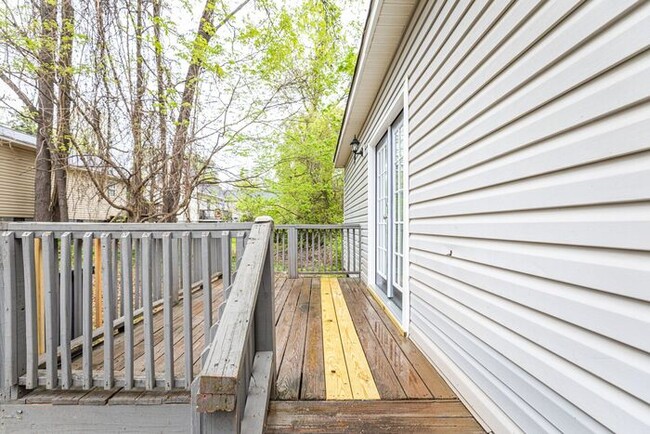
x=290, y=370
x=387, y=383
x=429, y=375
x=313, y=368
x=337, y=379
x=397, y=367
x=370, y=417
x=362, y=382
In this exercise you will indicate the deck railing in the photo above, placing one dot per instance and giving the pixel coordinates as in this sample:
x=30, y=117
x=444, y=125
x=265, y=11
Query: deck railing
x=67, y=288
x=318, y=249
x=97, y=305
x=313, y=249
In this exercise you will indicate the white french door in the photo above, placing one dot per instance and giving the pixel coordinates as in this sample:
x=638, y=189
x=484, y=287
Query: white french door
x=382, y=214
x=389, y=213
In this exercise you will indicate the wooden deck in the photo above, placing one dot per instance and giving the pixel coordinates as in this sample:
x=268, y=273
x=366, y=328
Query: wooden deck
x=336, y=349
x=331, y=333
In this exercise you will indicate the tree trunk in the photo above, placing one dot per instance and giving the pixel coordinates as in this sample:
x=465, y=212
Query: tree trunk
x=137, y=189
x=45, y=84
x=63, y=131
x=205, y=31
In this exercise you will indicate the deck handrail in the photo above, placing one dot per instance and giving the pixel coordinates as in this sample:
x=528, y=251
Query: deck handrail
x=65, y=289
x=224, y=396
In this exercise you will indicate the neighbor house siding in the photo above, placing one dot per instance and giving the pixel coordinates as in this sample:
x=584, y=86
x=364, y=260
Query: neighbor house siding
x=16, y=181
x=85, y=202
x=529, y=164
x=355, y=203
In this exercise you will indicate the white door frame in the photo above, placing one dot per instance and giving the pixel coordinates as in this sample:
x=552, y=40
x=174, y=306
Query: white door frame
x=400, y=104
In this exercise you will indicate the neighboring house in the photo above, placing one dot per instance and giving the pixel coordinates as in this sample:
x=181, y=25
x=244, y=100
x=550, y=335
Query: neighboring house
x=210, y=202
x=85, y=203
x=17, y=157
x=505, y=187
x=17, y=153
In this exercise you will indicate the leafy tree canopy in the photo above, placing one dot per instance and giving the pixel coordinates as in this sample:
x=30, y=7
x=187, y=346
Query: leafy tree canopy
x=294, y=179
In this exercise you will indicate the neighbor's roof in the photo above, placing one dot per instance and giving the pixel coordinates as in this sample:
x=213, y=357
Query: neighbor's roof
x=385, y=26
x=16, y=137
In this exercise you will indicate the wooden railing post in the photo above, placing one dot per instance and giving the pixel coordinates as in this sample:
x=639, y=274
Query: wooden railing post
x=293, y=252
x=224, y=399
x=8, y=341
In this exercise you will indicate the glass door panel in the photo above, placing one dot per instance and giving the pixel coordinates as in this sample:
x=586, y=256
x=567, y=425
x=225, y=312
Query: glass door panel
x=382, y=237
x=397, y=208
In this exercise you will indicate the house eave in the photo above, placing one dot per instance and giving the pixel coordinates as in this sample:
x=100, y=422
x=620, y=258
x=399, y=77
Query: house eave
x=17, y=138
x=386, y=23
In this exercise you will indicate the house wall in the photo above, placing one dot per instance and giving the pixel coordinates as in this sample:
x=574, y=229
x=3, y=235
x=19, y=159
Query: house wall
x=355, y=203
x=16, y=181
x=84, y=201
x=529, y=202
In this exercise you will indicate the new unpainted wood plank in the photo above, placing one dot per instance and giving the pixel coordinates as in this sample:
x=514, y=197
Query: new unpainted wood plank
x=290, y=370
x=387, y=383
x=337, y=380
x=313, y=366
x=362, y=382
x=432, y=379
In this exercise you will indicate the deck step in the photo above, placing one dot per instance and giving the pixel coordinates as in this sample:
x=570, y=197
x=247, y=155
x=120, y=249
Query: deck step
x=444, y=416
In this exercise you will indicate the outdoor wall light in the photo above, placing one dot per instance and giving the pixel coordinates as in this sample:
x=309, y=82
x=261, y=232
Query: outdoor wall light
x=356, y=147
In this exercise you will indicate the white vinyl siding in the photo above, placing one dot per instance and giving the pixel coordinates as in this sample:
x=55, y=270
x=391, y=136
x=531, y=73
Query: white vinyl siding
x=355, y=202
x=529, y=172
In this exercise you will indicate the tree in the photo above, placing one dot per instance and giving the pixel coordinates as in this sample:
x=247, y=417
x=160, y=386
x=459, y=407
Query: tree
x=294, y=179
x=118, y=88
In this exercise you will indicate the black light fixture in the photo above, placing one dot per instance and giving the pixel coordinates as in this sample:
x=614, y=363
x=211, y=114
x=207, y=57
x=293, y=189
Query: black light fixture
x=356, y=147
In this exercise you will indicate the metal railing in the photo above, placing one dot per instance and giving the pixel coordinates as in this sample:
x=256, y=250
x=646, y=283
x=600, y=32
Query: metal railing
x=317, y=249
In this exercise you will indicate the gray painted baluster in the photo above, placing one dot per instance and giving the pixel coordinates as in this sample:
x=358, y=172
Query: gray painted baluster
x=31, y=330
x=137, y=277
x=240, y=246
x=8, y=313
x=87, y=301
x=77, y=308
x=107, y=293
x=147, y=304
x=127, y=307
x=114, y=266
x=207, y=285
x=226, y=256
x=186, y=251
x=65, y=307
x=49, y=283
x=168, y=309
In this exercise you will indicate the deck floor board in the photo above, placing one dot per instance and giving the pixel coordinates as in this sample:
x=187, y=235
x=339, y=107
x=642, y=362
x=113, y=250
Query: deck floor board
x=398, y=368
